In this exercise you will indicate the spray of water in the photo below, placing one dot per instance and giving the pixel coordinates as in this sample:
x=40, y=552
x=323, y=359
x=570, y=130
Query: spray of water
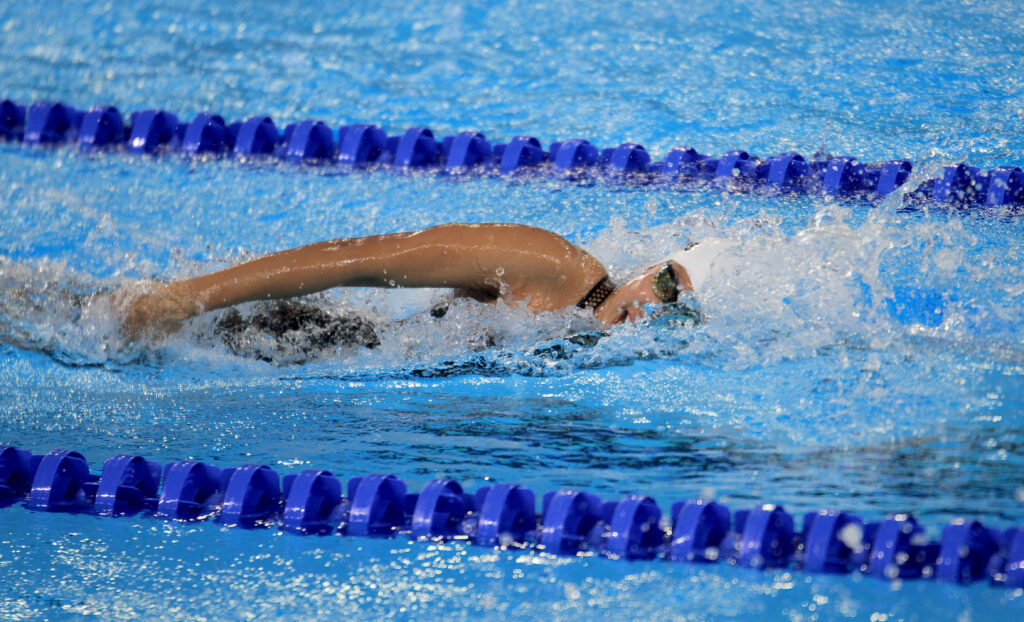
x=835, y=283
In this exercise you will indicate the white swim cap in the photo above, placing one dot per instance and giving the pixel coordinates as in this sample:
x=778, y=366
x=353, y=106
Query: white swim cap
x=697, y=258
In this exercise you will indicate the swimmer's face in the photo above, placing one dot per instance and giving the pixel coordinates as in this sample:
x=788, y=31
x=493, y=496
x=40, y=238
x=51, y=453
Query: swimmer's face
x=627, y=302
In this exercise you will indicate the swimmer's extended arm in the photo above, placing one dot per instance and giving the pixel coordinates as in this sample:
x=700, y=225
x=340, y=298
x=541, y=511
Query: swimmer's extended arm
x=486, y=260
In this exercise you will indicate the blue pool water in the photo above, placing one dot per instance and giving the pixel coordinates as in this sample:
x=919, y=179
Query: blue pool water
x=801, y=388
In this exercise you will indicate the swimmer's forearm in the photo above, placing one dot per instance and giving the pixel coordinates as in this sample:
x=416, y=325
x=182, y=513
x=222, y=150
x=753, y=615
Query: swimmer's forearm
x=300, y=271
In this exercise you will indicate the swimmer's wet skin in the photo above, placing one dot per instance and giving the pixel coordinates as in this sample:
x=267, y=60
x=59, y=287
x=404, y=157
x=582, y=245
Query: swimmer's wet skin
x=516, y=263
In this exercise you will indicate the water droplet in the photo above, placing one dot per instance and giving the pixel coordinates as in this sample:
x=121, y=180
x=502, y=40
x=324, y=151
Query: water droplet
x=852, y=535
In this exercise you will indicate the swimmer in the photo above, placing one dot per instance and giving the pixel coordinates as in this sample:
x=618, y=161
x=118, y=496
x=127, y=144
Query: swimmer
x=487, y=262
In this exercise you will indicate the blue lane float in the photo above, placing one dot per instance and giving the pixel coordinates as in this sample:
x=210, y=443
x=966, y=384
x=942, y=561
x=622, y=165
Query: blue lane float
x=127, y=484
x=206, y=134
x=12, y=121
x=257, y=136
x=151, y=130
x=50, y=123
x=418, y=149
x=190, y=490
x=571, y=522
x=311, y=498
x=361, y=145
x=101, y=127
x=308, y=141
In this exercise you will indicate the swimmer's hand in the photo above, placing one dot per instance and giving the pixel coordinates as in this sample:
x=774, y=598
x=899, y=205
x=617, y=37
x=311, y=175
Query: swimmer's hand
x=151, y=310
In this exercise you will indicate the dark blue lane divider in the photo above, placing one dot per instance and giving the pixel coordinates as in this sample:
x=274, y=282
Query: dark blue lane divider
x=571, y=522
x=470, y=153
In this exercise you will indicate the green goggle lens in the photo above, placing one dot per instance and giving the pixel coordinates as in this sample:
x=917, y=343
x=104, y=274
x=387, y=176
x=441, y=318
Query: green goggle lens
x=664, y=284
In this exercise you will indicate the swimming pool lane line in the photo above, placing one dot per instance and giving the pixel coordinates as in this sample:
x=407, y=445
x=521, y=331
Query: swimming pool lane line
x=576, y=160
x=571, y=522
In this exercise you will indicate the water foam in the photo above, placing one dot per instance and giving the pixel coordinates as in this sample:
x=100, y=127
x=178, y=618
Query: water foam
x=839, y=282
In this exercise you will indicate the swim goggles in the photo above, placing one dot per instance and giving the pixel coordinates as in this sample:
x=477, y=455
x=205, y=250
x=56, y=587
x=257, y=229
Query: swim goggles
x=664, y=284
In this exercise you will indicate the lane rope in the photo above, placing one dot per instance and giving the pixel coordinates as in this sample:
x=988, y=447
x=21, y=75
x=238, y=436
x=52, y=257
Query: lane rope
x=363, y=146
x=571, y=522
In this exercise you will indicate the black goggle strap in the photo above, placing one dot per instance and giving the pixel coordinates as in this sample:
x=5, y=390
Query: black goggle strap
x=598, y=294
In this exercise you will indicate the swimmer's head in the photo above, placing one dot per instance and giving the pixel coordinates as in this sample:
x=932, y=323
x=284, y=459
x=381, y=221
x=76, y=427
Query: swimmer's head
x=684, y=270
x=659, y=284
